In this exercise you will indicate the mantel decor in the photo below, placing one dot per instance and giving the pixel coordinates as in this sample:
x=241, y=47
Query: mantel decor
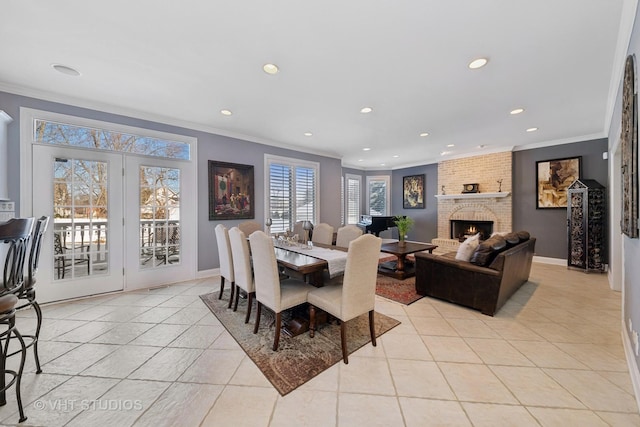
x=231, y=190
x=553, y=178
x=413, y=192
x=629, y=147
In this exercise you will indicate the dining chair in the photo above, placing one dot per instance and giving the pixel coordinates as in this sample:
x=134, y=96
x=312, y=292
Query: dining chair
x=15, y=234
x=65, y=257
x=226, y=260
x=8, y=304
x=277, y=295
x=248, y=227
x=27, y=293
x=355, y=295
x=346, y=234
x=298, y=228
x=323, y=234
x=242, y=268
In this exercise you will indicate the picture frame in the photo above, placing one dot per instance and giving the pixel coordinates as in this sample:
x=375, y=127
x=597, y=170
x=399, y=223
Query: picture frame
x=629, y=149
x=413, y=192
x=231, y=191
x=553, y=177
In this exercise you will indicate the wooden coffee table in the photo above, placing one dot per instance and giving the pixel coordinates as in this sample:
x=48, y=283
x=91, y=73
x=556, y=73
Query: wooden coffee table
x=402, y=268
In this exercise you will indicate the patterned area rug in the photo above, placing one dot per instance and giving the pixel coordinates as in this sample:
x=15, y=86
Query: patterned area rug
x=299, y=358
x=402, y=291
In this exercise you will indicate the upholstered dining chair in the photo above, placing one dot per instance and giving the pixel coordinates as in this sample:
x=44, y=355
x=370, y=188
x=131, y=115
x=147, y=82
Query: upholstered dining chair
x=242, y=268
x=322, y=233
x=356, y=295
x=270, y=290
x=27, y=293
x=248, y=227
x=346, y=234
x=226, y=261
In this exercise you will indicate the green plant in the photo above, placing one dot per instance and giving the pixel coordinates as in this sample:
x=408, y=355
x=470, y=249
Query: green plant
x=404, y=224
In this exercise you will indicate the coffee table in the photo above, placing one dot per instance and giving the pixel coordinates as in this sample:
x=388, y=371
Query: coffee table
x=402, y=268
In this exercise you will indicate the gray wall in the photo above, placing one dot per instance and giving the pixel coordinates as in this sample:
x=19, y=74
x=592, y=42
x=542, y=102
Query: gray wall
x=210, y=147
x=549, y=226
x=631, y=247
x=426, y=220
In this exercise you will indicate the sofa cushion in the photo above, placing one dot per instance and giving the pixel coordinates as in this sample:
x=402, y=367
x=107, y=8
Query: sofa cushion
x=512, y=239
x=488, y=250
x=523, y=235
x=467, y=248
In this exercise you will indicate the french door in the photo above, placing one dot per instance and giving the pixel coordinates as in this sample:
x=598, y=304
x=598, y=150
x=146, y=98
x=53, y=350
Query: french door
x=118, y=221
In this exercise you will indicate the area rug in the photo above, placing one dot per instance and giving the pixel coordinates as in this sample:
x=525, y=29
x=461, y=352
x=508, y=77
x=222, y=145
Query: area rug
x=402, y=291
x=298, y=358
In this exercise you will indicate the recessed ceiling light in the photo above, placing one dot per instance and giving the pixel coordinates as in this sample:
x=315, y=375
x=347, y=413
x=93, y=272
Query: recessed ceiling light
x=308, y=134
x=64, y=69
x=270, y=68
x=478, y=63
x=366, y=149
x=424, y=134
x=443, y=153
x=532, y=129
x=361, y=160
x=366, y=110
x=226, y=112
x=381, y=164
x=395, y=156
x=516, y=111
x=450, y=145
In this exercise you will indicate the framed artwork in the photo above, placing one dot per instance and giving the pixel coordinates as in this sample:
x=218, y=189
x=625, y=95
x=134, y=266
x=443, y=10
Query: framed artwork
x=413, y=192
x=629, y=148
x=230, y=191
x=553, y=177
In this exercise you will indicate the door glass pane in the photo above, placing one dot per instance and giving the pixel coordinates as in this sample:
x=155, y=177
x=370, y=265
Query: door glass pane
x=80, y=218
x=159, y=216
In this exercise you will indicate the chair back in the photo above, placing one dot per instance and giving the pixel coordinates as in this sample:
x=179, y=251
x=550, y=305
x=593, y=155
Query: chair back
x=346, y=234
x=241, y=259
x=249, y=227
x=224, y=253
x=16, y=234
x=322, y=233
x=265, y=269
x=298, y=228
x=360, y=276
x=39, y=230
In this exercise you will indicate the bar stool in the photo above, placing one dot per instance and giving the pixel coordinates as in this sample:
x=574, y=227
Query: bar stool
x=8, y=318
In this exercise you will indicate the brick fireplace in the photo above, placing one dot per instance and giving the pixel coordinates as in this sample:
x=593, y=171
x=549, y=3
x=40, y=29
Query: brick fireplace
x=488, y=206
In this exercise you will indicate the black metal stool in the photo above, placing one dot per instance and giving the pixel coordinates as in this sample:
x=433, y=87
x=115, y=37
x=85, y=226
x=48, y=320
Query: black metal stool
x=8, y=318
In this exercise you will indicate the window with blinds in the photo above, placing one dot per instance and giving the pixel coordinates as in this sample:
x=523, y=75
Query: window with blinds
x=353, y=185
x=379, y=194
x=293, y=192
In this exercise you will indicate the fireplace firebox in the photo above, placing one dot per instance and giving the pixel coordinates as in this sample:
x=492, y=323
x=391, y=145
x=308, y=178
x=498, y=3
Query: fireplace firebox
x=460, y=229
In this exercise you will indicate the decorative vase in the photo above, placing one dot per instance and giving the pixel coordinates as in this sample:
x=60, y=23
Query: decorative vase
x=402, y=242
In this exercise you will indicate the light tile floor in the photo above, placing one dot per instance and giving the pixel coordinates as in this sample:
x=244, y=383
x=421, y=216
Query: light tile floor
x=552, y=356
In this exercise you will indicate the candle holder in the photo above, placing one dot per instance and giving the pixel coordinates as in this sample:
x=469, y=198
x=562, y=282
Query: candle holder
x=268, y=224
x=306, y=226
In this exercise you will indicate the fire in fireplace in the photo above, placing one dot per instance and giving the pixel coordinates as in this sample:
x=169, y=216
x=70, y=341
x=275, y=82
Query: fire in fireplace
x=464, y=228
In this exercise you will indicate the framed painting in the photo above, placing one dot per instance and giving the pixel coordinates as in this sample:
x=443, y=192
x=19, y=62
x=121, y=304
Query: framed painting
x=553, y=177
x=231, y=190
x=413, y=192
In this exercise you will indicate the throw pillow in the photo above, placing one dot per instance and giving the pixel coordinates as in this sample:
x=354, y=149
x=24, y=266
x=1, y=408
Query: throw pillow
x=512, y=239
x=467, y=248
x=523, y=235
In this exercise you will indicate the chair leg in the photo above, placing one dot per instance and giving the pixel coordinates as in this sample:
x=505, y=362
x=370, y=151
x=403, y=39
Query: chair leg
x=312, y=320
x=276, y=339
x=235, y=304
x=221, y=287
x=257, y=325
x=36, y=335
x=249, y=303
x=372, y=328
x=19, y=379
x=233, y=293
x=343, y=340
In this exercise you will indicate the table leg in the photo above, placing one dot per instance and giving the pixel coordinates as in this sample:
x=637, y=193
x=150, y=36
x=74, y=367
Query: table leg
x=400, y=263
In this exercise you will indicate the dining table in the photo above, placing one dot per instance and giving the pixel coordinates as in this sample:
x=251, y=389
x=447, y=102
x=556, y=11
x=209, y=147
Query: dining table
x=311, y=262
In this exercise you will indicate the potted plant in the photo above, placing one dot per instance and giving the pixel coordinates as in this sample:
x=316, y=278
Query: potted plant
x=404, y=224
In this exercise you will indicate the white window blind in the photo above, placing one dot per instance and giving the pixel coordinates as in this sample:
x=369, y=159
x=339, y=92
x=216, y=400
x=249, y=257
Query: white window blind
x=293, y=192
x=353, y=199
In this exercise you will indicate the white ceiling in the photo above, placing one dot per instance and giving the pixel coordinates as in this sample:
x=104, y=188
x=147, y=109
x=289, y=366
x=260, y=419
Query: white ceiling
x=182, y=62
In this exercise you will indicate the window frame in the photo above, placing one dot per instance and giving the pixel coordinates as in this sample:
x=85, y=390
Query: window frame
x=387, y=181
x=349, y=177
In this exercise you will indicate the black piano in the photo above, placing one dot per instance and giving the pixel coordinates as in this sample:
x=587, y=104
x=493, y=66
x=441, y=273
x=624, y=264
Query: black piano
x=376, y=224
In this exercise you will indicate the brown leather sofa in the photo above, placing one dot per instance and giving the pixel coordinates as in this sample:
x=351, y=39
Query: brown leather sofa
x=482, y=288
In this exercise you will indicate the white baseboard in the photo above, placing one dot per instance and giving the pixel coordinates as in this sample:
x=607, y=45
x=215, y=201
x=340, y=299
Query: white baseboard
x=547, y=260
x=634, y=373
x=207, y=273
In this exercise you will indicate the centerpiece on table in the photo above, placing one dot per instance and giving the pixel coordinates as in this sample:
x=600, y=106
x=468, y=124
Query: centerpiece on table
x=404, y=224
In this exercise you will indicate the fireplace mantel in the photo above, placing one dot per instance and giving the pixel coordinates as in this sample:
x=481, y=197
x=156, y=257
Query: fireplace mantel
x=499, y=195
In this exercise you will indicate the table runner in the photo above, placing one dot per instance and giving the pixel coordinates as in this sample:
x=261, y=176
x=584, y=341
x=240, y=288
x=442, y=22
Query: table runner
x=336, y=259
